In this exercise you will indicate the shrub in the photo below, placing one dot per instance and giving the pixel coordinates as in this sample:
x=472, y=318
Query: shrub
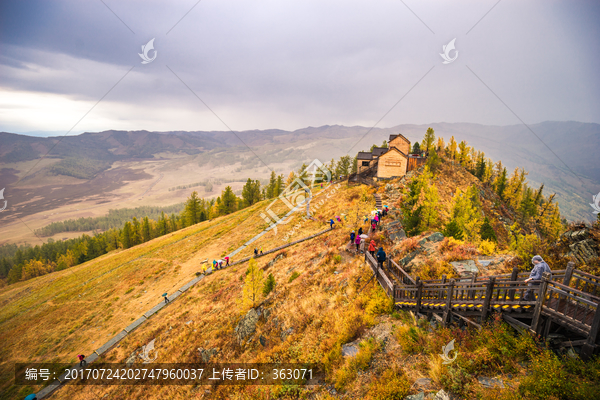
x=129, y=290
x=337, y=259
x=411, y=339
x=379, y=303
x=269, y=285
x=487, y=231
x=392, y=385
x=360, y=361
x=294, y=276
x=487, y=247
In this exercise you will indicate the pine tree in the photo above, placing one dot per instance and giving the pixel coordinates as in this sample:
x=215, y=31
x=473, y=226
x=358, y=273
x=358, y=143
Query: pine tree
x=385, y=144
x=501, y=184
x=433, y=161
x=487, y=231
x=272, y=187
x=228, y=201
x=146, y=229
x=251, y=192
x=253, y=284
x=126, y=235
x=173, y=223
x=441, y=146
x=453, y=230
x=192, y=209
x=465, y=211
x=343, y=166
x=162, y=224
x=269, y=285
x=463, y=155
x=480, y=167
x=428, y=140
x=355, y=163
x=291, y=178
x=416, y=148
x=135, y=232
x=279, y=186
x=430, y=204
x=452, y=146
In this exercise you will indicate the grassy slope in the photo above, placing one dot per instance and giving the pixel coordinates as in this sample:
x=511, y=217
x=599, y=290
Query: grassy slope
x=55, y=317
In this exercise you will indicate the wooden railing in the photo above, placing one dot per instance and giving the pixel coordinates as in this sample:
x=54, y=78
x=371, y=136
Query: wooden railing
x=573, y=303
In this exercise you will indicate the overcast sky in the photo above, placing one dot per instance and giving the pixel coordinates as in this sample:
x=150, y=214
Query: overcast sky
x=292, y=64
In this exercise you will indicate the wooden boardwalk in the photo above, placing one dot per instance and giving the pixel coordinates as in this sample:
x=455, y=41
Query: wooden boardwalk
x=566, y=301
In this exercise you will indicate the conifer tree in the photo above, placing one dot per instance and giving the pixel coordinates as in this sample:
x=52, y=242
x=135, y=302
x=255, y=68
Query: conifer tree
x=487, y=231
x=162, y=224
x=228, y=202
x=192, y=209
x=279, y=187
x=173, y=223
x=272, y=186
x=416, y=148
x=441, y=146
x=480, y=167
x=501, y=184
x=428, y=140
x=291, y=178
x=126, y=235
x=269, y=285
x=430, y=203
x=433, y=161
x=463, y=155
x=355, y=164
x=135, y=232
x=452, y=146
x=251, y=192
x=253, y=284
x=466, y=213
x=146, y=229
x=385, y=144
x=453, y=230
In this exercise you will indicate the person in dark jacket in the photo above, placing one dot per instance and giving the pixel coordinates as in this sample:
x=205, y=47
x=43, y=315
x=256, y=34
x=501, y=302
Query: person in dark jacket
x=535, y=276
x=352, y=236
x=360, y=231
x=331, y=222
x=381, y=257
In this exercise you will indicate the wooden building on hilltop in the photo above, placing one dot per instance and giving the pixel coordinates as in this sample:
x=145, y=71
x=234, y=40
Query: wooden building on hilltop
x=389, y=162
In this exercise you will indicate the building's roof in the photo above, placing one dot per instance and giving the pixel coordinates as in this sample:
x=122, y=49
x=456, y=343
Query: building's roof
x=392, y=137
x=377, y=151
x=396, y=149
x=364, y=155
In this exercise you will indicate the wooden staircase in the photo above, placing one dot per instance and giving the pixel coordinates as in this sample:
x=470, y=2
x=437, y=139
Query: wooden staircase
x=566, y=301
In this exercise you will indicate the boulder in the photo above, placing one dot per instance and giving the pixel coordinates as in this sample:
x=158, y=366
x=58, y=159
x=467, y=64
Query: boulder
x=207, y=354
x=286, y=333
x=436, y=237
x=490, y=383
x=246, y=326
x=349, y=349
x=441, y=395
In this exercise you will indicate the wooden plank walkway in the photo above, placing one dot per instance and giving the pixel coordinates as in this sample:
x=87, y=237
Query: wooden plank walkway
x=567, y=298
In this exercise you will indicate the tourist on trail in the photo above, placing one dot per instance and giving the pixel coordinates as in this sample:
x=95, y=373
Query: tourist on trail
x=380, y=257
x=366, y=218
x=373, y=226
x=372, y=248
x=337, y=217
x=31, y=396
x=261, y=250
x=166, y=298
x=82, y=361
x=255, y=251
x=352, y=236
x=227, y=261
x=360, y=231
x=357, y=242
x=539, y=267
x=376, y=218
x=362, y=245
x=331, y=222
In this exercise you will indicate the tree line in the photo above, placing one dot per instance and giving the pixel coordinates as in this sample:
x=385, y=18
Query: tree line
x=535, y=217
x=126, y=228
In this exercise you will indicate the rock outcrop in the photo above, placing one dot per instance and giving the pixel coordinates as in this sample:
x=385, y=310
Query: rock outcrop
x=247, y=325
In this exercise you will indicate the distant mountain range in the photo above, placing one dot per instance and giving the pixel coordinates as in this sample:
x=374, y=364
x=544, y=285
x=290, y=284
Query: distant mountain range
x=563, y=156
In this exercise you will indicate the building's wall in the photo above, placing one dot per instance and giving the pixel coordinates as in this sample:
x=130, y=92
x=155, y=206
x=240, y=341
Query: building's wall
x=362, y=168
x=415, y=163
x=391, y=164
x=401, y=145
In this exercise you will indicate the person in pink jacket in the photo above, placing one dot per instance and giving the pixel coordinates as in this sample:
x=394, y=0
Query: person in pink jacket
x=357, y=242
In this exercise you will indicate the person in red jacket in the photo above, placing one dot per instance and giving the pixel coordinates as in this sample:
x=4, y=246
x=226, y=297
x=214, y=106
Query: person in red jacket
x=372, y=248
